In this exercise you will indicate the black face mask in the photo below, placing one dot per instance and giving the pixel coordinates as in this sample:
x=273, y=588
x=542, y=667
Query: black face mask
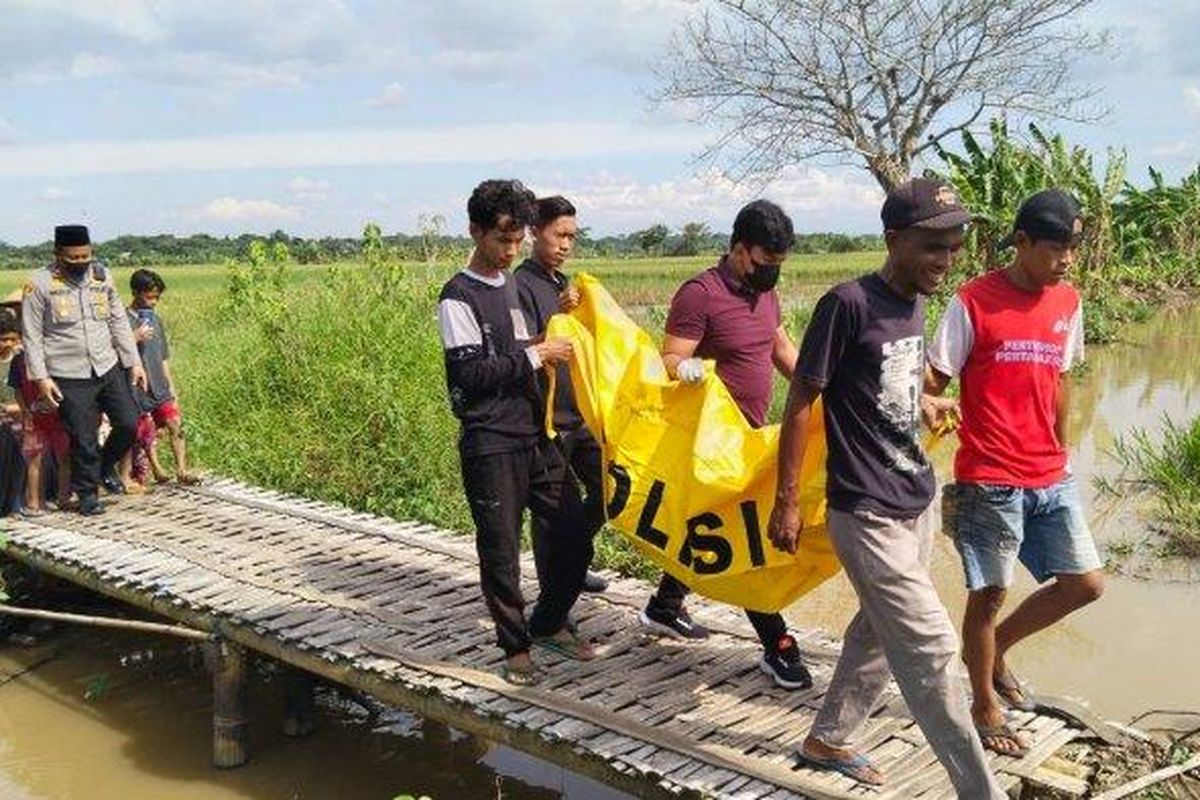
x=763, y=278
x=76, y=269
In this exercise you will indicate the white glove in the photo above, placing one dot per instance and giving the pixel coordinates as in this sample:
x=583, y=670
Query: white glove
x=690, y=370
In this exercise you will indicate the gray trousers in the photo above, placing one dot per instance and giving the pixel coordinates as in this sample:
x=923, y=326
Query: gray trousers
x=901, y=628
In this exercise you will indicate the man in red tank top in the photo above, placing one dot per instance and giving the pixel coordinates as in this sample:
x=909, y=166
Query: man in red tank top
x=1011, y=336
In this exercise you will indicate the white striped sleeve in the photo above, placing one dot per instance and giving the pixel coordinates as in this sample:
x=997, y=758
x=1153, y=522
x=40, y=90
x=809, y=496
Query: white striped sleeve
x=457, y=325
x=953, y=341
x=1073, y=350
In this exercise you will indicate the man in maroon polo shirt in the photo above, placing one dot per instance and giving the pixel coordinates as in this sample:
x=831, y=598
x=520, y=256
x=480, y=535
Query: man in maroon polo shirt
x=730, y=313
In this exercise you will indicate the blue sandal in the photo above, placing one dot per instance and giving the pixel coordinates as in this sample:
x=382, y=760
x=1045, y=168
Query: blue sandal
x=856, y=767
x=571, y=647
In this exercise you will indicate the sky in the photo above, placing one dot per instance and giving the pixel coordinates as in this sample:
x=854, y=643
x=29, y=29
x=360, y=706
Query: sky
x=317, y=116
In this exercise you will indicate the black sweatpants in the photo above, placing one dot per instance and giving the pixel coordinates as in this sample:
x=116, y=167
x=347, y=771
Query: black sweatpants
x=83, y=400
x=12, y=470
x=670, y=595
x=582, y=455
x=499, y=488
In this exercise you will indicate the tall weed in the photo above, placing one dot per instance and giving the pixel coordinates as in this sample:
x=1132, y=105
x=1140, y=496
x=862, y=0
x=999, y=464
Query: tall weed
x=1171, y=469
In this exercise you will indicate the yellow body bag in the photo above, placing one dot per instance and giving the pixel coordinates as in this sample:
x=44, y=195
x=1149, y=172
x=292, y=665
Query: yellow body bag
x=687, y=479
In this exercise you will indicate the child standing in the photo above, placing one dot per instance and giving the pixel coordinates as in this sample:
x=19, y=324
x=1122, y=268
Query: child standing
x=12, y=465
x=41, y=430
x=159, y=403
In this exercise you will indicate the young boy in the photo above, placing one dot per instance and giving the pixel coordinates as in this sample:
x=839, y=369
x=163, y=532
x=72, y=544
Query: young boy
x=1011, y=336
x=545, y=290
x=159, y=404
x=41, y=432
x=12, y=465
x=507, y=462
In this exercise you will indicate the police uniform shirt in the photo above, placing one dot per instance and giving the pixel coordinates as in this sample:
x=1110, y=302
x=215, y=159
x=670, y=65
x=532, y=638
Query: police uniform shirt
x=75, y=327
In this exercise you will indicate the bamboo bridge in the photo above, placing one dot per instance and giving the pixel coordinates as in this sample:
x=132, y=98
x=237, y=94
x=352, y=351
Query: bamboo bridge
x=393, y=609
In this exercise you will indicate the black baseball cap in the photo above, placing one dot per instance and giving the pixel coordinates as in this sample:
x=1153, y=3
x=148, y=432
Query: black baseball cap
x=923, y=203
x=1049, y=214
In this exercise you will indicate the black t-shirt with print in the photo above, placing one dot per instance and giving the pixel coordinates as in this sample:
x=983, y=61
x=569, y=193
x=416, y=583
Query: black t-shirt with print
x=489, y=373
x=865, y=349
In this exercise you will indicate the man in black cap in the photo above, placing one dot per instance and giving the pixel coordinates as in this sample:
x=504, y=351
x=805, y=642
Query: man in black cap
x=1011, y=336
x=864, y=354
x=78, y=346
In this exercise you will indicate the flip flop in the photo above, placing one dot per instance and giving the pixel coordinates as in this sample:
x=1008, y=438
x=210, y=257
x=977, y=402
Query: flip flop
x=521, y=677
x=988, y=734
x=1012, y=692
x=571, y=647
x=856, y=767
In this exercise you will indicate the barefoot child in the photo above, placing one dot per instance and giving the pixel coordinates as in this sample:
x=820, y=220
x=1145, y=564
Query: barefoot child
x=159, y=404
x=41, y=432
x=12, y=465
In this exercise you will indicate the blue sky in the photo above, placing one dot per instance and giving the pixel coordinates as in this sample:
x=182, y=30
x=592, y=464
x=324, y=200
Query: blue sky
x=147, y=116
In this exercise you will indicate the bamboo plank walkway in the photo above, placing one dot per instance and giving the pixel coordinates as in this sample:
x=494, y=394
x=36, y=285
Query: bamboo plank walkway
x=393, y=609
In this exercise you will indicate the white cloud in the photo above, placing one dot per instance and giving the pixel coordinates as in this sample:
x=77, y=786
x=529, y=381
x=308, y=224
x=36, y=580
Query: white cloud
x=308, y=189
x=93, y=65
x=192, y=69
x=227, y=209
x=816, y=200
x=52, y=194
x=492, y=66
x=8, y=131
x=1178, y=150
x=392, y=96
x=134, y=19
x=617, y=34
x=188, y=43
x=1191, y=95
x=486, y=143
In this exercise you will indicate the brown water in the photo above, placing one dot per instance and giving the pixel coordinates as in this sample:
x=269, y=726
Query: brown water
x=1138, y=647
x=146, y=735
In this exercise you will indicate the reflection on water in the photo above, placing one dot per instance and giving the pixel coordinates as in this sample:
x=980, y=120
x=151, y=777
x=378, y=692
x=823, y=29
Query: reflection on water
x=1139, y=646
x=147, y=734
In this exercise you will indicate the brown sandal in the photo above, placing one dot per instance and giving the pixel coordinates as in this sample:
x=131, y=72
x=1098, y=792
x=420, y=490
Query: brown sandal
x=991, y=736
x=1012, y=692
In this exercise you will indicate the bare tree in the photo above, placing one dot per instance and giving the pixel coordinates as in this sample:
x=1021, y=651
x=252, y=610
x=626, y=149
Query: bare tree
x=876, y=82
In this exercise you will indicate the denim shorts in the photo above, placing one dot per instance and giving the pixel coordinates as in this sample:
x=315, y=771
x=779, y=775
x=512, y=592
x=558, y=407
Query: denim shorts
x=993, y=526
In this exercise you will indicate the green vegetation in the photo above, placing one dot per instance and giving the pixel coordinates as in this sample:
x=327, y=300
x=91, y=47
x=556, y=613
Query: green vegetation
x=1140, y=245
x=1172, y=470
x=327, y=381
x=431, y=245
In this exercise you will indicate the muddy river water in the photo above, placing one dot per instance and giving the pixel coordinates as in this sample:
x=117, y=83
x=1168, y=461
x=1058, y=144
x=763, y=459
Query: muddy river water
x=1139, y=647
x=119, y=716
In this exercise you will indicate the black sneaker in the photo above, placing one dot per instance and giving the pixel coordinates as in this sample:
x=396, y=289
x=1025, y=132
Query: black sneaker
x=594, y=584
x=112, y=484
x=90, y=506
x=678, y=626
x=784, y=665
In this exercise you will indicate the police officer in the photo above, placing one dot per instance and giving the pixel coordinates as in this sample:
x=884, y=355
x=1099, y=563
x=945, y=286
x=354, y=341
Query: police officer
x=78, y=346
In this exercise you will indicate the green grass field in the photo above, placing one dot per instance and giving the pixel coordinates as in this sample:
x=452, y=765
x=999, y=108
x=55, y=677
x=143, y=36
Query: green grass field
x=642, y=281
x=333, y=388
